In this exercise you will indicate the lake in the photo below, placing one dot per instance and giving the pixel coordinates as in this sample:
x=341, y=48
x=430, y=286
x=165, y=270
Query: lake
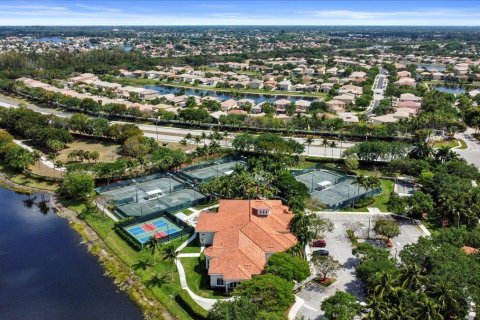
x=258, y=98
x=45, y=273
x=454, y=90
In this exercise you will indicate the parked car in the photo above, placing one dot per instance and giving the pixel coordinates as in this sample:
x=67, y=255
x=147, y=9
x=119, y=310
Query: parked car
x=319, y=243
x=321, y=252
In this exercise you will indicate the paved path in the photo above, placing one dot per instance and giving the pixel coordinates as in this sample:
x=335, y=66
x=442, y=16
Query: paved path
x=472, y=153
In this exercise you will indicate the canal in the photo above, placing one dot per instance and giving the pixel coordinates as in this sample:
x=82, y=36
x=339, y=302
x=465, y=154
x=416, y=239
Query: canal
x=45, y=271
x=258, y=98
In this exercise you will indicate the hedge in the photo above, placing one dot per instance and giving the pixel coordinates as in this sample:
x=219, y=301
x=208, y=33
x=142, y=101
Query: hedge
x=192, y=308
x=128, y=238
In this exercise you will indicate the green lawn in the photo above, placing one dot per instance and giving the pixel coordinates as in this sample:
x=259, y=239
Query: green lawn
x=206, y=205
x=140, y=262
x=187, y=212
x=448, y=143
x=197, y=277
x=23, y=180
x=192, y=247
x=304, y=164
x=381, y=200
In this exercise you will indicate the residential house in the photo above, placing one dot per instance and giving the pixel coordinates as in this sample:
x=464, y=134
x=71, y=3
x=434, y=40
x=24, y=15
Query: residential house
x=336, y=106
x=285, y=85
x=347, y=98
x=228, y=104
x=256, y=84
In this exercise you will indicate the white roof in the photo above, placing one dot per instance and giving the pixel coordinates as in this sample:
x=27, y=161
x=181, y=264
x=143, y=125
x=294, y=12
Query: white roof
x=156, y=191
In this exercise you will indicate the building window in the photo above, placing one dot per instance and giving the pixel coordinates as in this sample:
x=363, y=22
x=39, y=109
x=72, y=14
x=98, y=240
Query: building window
x=233, y=284
x=220, y=282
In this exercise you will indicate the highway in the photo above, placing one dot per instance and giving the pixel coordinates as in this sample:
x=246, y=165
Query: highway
x=175, y=135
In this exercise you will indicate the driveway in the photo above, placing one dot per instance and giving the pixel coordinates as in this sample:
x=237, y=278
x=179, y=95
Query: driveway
x=340, y=249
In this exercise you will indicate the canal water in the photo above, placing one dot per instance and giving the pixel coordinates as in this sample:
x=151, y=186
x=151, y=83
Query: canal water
x=452, y=90
x=224, y=96
x=45, y=273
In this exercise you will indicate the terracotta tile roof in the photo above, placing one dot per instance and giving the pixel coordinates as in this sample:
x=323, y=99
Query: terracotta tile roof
x=243, y=239
x=469, y=250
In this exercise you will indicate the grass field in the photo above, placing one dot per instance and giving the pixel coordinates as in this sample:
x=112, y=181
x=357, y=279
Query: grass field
x=140, y=262
x=447, y=143
x=381, y=200
x=108, y=151
x=197, y=277
x=23, y=180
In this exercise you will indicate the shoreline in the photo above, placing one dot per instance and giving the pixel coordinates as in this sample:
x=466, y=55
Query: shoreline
x=122, y=276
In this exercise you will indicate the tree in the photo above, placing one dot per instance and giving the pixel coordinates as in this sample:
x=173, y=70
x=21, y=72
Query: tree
x=154, y=246
x=420, y=204
x=269, y=292
x=308, y=142
x=351, y=164
x=321, y=225
x=288, y=267
x=341, y=306
x=240, y=308
x=170, y=254
x=325, y=143
x=300, y=225
x=387, y=228
x=325, y=265
x=77, y=185
x=333, y=145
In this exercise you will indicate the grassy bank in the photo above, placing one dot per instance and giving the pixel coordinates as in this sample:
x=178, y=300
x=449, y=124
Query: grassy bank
x=159, y=277
x=197, y=277
x=22, y=179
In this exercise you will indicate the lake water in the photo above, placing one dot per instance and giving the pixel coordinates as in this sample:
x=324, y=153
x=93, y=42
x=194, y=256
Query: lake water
x=456, y=90
x=49, y=39
x=45, y=273
x=224, y=96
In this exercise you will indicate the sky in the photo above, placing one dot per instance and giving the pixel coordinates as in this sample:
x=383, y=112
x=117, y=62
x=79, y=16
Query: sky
x=240, y=12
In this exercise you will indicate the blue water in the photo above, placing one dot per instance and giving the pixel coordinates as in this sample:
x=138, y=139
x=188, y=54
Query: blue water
x=451, y=90
x=45, y=271
x=223, y=96
x=430, y=67
x=48, y=39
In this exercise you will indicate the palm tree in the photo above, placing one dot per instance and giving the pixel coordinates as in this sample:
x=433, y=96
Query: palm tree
x=308, y=142
x=372, y=182
x=197, y=140
x=143, y=265
x=359, y=182
x=154, y=246
x=203, y=136
x=378, y=309
x=333, y=145
x=325, y=144
x=300, y=227
x=445, y=154
x=385, y=285
x=427, y=309
x=421, y=151
x=36, y=156
x=52, y=157
x=170, y=254
x=412, y=277
x=448, y=300
x=156, y=281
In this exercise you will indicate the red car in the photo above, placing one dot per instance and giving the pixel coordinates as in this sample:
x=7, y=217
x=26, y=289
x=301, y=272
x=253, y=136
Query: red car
x=319, y=244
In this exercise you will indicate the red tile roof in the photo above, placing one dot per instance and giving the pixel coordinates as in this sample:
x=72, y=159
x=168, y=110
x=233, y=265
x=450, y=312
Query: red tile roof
x=242, y=239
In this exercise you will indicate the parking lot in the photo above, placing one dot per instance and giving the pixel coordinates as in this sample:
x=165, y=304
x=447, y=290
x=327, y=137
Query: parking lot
x=340, y=249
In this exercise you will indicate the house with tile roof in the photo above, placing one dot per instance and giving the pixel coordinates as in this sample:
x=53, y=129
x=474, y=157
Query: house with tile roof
x=240, y=238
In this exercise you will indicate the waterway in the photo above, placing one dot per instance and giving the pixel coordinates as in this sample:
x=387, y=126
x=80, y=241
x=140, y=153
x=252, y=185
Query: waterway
x=258, y=98
x=45, y=271
x=453, y=90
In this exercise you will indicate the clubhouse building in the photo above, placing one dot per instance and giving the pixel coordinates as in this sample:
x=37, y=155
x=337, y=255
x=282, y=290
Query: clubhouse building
x=240, y=238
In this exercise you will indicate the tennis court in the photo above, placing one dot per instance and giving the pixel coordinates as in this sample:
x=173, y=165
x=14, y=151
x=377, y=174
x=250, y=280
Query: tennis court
x=170, y=202
x=333, y=189
x=313, y=178
x=162, y=228
x=143, y=191
x=207, y=172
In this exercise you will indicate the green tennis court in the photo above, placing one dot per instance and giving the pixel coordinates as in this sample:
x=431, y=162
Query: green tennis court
x=214, y=170
x=138, y=192
x=170, y=202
